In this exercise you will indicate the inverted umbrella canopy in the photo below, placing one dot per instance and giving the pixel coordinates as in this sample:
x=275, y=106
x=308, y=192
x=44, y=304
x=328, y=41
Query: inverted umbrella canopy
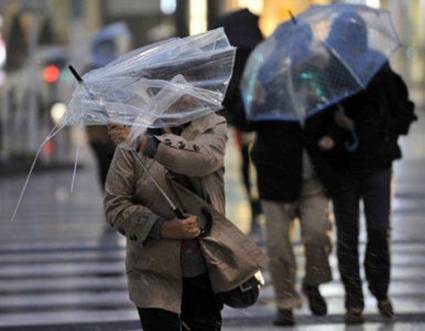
x=164, y=84
x=323, y=56
x=161, y=85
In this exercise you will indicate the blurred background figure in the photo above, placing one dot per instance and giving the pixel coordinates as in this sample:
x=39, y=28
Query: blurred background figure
x=288, y=180
x=243, y=32
x=107, y=44
x=110, y=42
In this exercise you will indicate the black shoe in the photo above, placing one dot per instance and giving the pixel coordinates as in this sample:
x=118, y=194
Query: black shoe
x=386, y=308
x=284, y=317
x=354, y=316
x=316, y=301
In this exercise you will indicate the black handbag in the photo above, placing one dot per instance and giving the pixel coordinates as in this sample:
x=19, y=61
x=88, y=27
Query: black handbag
x=245, y=295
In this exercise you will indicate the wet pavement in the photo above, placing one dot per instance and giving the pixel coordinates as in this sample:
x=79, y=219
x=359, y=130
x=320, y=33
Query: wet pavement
x=61, y=267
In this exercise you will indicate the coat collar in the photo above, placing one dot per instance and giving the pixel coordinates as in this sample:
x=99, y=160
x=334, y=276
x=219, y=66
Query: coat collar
x=201, y=125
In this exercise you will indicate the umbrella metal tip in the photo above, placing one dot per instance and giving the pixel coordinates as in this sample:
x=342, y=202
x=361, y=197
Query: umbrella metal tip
x=75, y=73
x=293, y=19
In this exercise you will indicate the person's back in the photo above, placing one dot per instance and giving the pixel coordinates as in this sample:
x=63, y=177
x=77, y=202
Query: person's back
x=380, y=114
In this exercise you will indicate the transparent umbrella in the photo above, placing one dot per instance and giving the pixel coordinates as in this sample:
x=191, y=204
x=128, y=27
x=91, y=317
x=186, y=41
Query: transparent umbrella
x=161, y=85
x=321, y=57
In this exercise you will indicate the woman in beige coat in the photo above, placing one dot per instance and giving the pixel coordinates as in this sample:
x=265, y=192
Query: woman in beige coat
x=168, y=278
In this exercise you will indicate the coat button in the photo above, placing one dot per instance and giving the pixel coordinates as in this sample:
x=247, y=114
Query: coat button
x=195, y=148
x=133, y=237
x=181, y=144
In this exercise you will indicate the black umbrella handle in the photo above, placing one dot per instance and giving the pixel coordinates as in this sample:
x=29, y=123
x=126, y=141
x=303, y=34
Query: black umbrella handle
x=293, y=19
x=179, y=214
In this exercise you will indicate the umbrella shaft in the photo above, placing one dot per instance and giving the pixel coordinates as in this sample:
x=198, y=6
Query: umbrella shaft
x=170, y=202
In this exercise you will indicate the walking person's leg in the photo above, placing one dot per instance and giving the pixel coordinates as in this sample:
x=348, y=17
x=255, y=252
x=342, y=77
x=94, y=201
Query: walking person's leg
x=279, y=216
x=200, y=309
x=316, y=227
x=376, y=192
x=153, y=319
x=346, y=208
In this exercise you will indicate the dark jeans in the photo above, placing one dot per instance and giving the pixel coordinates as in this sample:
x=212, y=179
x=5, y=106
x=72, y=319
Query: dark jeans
x=375, y=191
x=200, y=310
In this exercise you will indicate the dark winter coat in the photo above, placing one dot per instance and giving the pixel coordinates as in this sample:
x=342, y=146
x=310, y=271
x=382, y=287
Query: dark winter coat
x=381, y=113
x=278, y=156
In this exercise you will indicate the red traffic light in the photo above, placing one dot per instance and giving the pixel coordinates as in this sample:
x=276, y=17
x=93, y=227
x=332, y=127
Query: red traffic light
x=51, y=74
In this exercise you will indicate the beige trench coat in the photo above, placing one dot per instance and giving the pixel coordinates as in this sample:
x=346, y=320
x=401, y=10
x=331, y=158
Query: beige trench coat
x=133, y=205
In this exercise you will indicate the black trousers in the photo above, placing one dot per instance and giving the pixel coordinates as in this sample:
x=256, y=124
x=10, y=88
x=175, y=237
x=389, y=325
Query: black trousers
x=200, y=310
x=375, y=191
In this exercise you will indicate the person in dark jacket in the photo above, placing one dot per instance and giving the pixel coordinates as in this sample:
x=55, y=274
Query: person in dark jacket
x=378, y=115
x=289, y=187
